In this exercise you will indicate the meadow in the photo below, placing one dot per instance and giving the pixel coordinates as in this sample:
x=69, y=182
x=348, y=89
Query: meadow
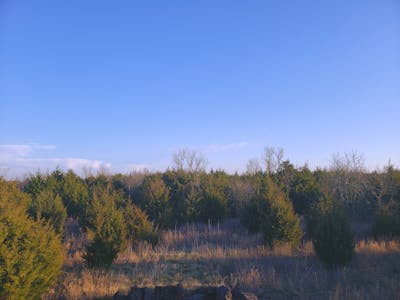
x=196, y=255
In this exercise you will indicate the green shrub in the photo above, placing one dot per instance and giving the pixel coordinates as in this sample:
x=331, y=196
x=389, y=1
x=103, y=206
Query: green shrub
x=388, y=220
x=75, y=194
x=138, y=226
x=282, y=225
x=254, y=213
x=101, y=252
x=50, y=207
x=212, y=208
x=272, y=214
x=332, y=237
x=153, y=198
x=109, y=238
x=31, y=253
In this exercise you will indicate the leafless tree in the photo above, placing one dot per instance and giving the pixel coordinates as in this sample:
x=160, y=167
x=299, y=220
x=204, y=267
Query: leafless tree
x=348, y=179
x=241, y=192
x=253, y=166
x=269, y=154
x=189, y=160
x=273, y=158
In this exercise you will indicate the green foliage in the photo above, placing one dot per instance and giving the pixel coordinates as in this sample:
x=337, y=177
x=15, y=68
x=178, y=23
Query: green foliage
x=109, y=231
x=10, y=193
x=75, y=195
x=388, y=215
x=35, y=184
x=272, y=214
x=255, y=212
x=100, y=199
x=213, y=205
x=282, y=224
x=138, y=226
x=31, y=253
x=304, y=192
x=48, y=206
x=185, y=195
x=101, y=253
x=388, y=220
x=154, y=199
x=331, y=234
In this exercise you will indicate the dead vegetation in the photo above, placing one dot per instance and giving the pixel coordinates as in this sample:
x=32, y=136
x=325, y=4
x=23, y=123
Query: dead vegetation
x=195, y=255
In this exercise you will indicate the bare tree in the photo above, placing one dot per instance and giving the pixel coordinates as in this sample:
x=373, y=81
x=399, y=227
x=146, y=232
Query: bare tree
x=278, y=157
x=273, y=158
x=348, y=177
x=242, y=191
x=269, y=154
x=253, y=166
x=189, y=160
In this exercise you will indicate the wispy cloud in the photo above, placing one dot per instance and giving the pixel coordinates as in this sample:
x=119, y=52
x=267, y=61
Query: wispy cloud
x=9, y=152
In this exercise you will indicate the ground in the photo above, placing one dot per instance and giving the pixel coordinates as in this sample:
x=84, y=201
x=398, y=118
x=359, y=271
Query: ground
x=197, y=255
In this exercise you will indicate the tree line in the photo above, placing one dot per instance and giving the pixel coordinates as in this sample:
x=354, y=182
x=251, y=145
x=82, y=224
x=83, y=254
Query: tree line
x=121, y=209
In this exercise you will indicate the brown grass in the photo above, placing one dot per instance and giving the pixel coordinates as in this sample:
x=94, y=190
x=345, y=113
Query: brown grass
x=197, y=255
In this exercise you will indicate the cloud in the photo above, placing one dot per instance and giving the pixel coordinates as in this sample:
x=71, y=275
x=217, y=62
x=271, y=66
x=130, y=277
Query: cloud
x=17, y=160
x=21, y=160
x=75, y=164
x=10, y=152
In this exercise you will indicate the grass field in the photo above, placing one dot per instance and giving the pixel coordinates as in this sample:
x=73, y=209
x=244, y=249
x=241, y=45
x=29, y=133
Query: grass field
x=195, y=255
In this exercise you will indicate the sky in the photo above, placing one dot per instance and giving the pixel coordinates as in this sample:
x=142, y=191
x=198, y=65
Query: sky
x=122, y=85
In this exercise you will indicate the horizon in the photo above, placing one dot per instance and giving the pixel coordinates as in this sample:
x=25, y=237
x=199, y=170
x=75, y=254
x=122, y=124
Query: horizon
x=123, y=87
x=85, y=168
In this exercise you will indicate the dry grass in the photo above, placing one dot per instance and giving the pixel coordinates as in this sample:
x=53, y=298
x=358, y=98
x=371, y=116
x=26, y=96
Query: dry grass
x=225, y=254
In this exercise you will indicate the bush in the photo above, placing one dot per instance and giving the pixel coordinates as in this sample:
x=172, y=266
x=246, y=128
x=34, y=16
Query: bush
x=282, y=225
x=272, y=214
x=109, y=229
x=153, y=198
x=254, y=213
x=388, y=220
x=332, y=237
x=138, y=226
x=50, y=207
x=31, y=254
x=304, y=192
x=75, y=194
x=101, y=252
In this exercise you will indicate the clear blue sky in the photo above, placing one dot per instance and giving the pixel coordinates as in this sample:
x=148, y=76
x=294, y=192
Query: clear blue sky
x=124, y=84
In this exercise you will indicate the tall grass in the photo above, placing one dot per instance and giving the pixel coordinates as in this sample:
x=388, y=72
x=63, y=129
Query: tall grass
x=199, y=254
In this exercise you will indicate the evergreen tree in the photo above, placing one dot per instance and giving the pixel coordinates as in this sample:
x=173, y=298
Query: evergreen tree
x=31, y=253
x=331, y=233
x=272, y=214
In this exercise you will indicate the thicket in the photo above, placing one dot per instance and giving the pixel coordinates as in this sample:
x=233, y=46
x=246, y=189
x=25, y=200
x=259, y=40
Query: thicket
x=388, y=215
x=119, y=210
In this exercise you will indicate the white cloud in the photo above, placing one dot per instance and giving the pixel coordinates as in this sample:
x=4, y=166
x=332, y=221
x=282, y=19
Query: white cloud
x=17, y=160
x=75, y=164
x=21, y=160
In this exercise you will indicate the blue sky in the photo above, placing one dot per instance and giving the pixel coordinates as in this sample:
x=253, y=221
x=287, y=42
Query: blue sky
x=125, y=84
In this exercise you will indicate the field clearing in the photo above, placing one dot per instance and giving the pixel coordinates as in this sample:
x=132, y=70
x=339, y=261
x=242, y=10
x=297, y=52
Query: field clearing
x=198, y=255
